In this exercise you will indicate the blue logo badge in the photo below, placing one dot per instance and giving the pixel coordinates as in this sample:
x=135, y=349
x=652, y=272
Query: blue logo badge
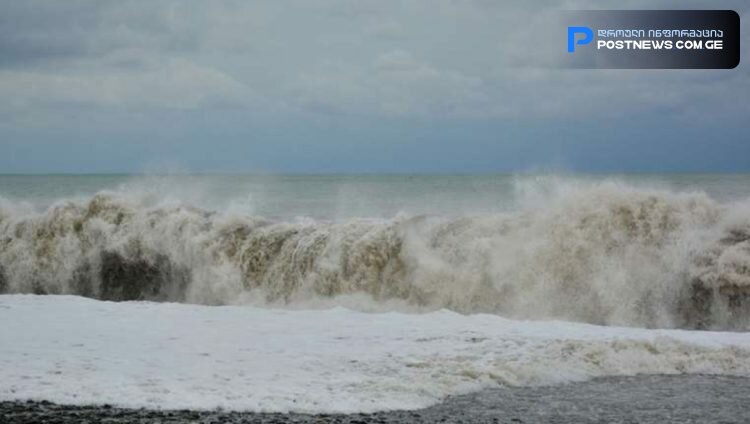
x=572, y=31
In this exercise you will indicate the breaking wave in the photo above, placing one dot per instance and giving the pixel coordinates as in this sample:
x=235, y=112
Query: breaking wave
x=601, y=253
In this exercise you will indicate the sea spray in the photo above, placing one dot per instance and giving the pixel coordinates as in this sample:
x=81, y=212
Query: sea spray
x=600, y=253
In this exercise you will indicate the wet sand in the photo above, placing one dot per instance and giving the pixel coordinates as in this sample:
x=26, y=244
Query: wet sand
x=647, y=399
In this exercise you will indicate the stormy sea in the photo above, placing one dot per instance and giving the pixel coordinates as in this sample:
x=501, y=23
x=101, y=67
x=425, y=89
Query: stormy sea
x=404, y=298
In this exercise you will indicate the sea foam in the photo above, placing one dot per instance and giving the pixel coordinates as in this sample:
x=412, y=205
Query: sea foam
x=72, y=350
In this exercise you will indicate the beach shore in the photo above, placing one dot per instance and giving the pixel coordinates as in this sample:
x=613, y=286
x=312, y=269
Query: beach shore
x=646, y=399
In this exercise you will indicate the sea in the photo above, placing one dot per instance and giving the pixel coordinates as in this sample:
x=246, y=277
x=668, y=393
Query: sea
x=366, y=293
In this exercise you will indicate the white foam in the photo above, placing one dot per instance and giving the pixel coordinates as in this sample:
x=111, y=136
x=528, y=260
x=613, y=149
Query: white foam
x=79, y=351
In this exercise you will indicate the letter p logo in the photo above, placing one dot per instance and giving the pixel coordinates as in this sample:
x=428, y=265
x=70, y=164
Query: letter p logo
x=572, y=31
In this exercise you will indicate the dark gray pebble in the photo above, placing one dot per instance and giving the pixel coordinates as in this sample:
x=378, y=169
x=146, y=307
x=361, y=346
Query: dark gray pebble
x=647, y=399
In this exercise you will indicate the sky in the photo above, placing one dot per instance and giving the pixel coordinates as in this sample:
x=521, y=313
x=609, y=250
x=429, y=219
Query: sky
x=345, y=86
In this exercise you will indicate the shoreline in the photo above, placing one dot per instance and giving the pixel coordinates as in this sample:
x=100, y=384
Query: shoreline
x=641, y=399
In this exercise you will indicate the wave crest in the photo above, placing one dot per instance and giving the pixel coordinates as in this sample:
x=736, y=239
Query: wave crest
x=605, y=254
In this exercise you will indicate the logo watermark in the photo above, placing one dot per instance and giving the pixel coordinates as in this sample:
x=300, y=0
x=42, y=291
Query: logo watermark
x=653, y=39
x=572, y=31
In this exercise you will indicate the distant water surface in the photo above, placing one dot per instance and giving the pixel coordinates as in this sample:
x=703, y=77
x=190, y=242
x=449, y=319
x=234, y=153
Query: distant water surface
x=348, y=196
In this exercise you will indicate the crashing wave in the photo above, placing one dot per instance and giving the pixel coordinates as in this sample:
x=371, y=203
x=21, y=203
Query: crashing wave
x=605, y=254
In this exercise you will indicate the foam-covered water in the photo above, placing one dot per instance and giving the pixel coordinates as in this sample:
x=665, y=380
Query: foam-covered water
x=651, y=251
x=72, y=350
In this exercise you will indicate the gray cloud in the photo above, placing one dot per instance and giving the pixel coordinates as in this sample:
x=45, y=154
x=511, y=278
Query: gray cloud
x=37, y=32
x=437, y=58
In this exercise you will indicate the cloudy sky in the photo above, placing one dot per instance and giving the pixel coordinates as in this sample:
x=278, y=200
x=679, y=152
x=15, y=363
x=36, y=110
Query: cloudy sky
x=345, y=86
